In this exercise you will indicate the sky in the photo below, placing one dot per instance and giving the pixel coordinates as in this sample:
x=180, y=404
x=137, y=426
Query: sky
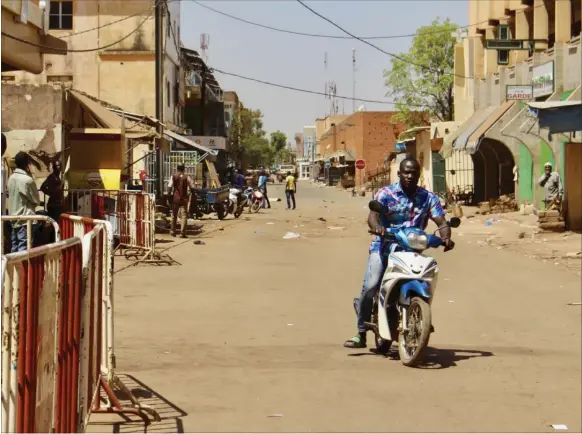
x=298, y=61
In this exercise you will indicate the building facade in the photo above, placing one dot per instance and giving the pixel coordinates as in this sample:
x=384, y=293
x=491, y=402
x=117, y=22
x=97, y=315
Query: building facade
x=112, y=54
x=496, y=129
x=370, y=136
x=309, y=140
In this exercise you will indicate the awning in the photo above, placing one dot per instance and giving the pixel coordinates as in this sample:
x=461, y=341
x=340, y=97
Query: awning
x=558, y=116
x=191, y=143
x=345, y=154
x=458, y=138
x=475, y=139
x=106, y=119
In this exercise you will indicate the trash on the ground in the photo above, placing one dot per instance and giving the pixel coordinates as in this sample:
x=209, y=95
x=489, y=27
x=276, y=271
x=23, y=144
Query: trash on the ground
x=275, y=415
x=451, y=301
x=560, y=427
x=166, y=352
x=291, y=235
x=521, y=235
x=270, y=223
x=446, y=278
x=335, y=228
x=199, y=243
x=575, y=304
x=321, y=219
x=290, y=325
x=259, y=232
x=574, y=254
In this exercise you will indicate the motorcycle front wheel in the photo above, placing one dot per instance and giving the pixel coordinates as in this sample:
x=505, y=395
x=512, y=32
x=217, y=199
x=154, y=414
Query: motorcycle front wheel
x=238, y=212
x=256, y=206
x=412, y=343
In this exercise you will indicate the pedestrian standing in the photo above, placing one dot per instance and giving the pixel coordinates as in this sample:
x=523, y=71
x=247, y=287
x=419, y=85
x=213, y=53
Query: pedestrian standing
x=263, y=179
x=290, y=189
x=179, y=185
x=552, y=185
x=53, y=187
x=24, y=199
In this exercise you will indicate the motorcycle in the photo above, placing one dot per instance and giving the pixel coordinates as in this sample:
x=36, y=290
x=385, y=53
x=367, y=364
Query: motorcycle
x=256, y=199
x=237, y=201
x=401, y=311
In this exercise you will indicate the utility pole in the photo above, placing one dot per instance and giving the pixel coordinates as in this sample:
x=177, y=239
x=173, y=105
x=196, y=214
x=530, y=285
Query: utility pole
x=159, y=35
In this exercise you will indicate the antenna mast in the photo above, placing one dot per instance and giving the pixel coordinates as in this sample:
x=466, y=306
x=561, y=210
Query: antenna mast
x=353, y=80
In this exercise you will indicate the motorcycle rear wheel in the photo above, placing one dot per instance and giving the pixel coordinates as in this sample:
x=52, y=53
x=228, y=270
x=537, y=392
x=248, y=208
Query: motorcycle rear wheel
x=220, y=211
x=419, y=322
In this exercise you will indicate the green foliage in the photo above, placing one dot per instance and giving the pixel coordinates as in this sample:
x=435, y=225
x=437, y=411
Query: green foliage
x=428, y=87
x=278, y=141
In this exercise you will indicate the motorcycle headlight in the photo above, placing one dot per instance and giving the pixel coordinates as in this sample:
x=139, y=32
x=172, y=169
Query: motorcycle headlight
x=417, y=242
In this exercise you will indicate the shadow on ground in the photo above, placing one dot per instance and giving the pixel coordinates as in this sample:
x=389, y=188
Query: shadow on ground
x=433, y=358
x=170, y=414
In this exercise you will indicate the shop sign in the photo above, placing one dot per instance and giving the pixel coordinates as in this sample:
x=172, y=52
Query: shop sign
x=519, y=92
x=543, y=79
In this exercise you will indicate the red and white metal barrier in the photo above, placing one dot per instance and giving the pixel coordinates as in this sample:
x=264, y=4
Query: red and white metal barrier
x=97, y=348
x=41, y=332
x=131, y=214
x=29, y=220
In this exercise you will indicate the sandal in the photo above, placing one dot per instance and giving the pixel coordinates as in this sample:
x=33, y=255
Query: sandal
x=355, y=342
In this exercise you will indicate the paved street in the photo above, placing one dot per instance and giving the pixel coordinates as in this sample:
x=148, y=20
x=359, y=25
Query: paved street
x=247, y=334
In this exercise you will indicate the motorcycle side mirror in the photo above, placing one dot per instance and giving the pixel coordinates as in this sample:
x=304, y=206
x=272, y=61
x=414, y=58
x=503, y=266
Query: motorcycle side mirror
x=455, y=222
x=375, y=206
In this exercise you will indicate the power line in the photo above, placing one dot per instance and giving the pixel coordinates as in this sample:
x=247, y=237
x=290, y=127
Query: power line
x=313, y=92
x=316, y=35
x=428, y=68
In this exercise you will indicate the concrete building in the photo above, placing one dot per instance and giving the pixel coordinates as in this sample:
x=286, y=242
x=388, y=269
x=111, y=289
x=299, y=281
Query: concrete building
x=496, y=129
x=370, y=136
x=299, y=143
x=309, y=140
x=322, y=125
x=121, y=73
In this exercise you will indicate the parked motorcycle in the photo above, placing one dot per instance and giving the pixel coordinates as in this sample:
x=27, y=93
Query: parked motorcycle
x=237, y=200
x=401, y=310
x=256, y=199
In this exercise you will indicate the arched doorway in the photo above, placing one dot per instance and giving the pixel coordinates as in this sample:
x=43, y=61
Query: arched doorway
x=493, y=170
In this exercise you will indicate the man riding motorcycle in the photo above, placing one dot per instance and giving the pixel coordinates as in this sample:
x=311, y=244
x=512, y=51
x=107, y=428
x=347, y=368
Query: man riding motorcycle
x=406, y=205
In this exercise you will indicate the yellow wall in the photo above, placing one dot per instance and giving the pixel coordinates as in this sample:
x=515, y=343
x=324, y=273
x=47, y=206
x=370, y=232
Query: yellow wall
x=124, y=74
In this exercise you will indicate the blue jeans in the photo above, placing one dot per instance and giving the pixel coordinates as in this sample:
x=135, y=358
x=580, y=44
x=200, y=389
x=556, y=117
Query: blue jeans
x=19, y=239
x=377, y=263
x=290, y=197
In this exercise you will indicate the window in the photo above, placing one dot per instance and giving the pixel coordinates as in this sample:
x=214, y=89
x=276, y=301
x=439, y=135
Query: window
x=61, y=15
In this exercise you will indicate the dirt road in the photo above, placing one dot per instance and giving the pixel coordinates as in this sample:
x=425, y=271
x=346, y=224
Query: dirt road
x=247, y=335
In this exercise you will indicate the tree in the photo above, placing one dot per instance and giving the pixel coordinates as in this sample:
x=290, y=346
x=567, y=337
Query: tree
x=424, y=80
x=278, y=141
x=249, y=146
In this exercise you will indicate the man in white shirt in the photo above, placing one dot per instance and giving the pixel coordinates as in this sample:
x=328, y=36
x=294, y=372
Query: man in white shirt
x=24, y=199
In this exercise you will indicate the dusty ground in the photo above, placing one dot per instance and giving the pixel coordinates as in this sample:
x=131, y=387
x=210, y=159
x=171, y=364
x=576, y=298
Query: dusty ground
x=247, y=334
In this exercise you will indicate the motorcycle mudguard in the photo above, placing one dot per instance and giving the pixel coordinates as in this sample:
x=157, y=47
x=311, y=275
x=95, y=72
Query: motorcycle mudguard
x=412, y=287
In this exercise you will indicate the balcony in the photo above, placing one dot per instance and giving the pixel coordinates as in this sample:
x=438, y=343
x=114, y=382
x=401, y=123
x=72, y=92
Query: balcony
x=24, y=36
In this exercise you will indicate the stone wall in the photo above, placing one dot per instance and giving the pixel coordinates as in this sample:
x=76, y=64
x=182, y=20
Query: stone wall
x=32, y=118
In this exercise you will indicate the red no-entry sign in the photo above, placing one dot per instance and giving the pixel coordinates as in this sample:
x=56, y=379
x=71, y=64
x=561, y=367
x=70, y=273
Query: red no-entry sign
x=360, y=164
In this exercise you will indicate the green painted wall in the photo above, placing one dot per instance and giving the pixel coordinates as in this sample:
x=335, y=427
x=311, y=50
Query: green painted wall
x=546, y=155
x=564, y=95
x=525, y=180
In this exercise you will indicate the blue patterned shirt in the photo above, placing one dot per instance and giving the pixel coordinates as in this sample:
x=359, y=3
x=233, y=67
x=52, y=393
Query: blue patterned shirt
x=403, y=211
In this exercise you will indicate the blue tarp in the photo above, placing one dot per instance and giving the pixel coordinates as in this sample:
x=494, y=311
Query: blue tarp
x=558, y=118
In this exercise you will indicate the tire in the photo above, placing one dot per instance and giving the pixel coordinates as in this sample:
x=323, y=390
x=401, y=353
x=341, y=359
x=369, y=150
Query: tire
x=407, y=356
x=220, y=212
x=238, y=212
x=230, y=207
x=256, y=206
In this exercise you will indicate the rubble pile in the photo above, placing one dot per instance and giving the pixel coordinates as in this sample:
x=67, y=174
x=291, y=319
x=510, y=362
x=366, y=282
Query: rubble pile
x=551, y=221
x=505, y=203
